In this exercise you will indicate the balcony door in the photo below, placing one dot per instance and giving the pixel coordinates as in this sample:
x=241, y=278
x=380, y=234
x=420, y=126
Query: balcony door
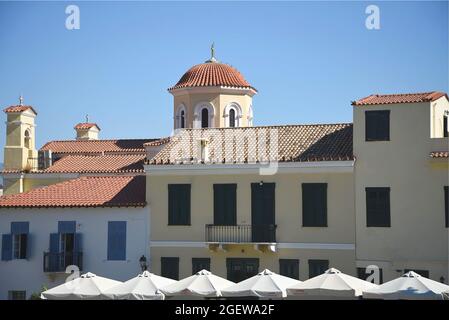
x=262, y=212
x=239, y=269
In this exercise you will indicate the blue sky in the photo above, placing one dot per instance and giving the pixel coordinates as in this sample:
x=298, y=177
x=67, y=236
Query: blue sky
x=308, y=60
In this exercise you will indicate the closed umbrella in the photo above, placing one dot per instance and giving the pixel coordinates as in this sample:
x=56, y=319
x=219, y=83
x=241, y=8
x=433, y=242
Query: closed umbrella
x=202, y=284
x=143, y=287
x=265, y=284
x=88, y=286
x=409, y=286
x=331, y=283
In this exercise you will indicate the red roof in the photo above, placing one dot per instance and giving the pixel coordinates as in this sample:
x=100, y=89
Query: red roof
x=86, y=125
x=399, y=98
x=111, y=163
x=18, y=108
x=212, y=74
x=112, y=191
x=439, y=154
x=97, y=146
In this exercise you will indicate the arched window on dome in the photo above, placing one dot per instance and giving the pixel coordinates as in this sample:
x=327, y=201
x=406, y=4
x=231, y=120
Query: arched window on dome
x=182, y=120
x=204, y=118
x=27, y=139
x=232, y=118
x=232, y=115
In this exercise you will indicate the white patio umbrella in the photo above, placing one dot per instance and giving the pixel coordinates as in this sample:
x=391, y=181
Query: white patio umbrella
x=331, y=283
x=409, y=286
x=88, y=286
x=265, y=284
x=143, y=287
x=202, y=284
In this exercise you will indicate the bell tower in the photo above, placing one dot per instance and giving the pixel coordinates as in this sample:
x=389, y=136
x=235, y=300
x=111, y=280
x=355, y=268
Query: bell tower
x=20, y=150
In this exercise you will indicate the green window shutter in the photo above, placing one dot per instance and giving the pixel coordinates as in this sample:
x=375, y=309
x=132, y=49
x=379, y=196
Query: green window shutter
x=289, y=268
x=179, y=204
x=317, y=267
x=314, y=204
x=170, y=267
x=378, y=207
x=446, y=205
x=377, y=125
x=199, y=264
x=225, y=204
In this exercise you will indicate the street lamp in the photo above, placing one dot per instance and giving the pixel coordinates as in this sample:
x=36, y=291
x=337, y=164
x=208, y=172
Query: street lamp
x=143, y=263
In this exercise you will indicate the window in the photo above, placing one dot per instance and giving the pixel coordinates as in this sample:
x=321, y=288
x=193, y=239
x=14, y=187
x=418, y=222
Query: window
x=361, y=274
x=232, y=118
x=314, y=204
x=317, y=267
x=225, y=204
x=117, y=240
x=27, y=139
x=422, y=273
x=289, y=268
x=170, y=267
x=182, y=120
x=204, y=118
x=378, y=207
x=16, y=245
x=445, y=126
x=16, y=295
x=446, y=205
x=20, y=246
x=377, y=125
x=199, y=264
x=179, y=204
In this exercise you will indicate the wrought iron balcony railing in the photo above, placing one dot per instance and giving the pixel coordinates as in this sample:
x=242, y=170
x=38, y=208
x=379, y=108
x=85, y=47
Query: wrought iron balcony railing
x=241, y=233
x=58, y=262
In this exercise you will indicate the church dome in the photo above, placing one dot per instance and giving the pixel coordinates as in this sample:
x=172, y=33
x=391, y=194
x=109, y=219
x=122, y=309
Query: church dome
x=212, y=74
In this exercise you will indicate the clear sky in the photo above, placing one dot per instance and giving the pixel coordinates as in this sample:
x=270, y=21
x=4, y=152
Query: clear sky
x=308, y=60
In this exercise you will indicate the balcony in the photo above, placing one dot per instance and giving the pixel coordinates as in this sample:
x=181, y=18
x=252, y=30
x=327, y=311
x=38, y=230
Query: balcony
x=241, y=234
x=58, y=262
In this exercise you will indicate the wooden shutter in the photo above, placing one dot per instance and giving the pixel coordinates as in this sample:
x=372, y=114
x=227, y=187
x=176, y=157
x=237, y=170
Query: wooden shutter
x=446, y=205
x=225, y=204
x=377, y=125
x=199, y=264
x=170, y=267
x=179, y=204
x=77, y=250
x=289, y=268
x=317, y=267
x=117, y=240
x=6, y=247
x=314, y=204
x=378, y=207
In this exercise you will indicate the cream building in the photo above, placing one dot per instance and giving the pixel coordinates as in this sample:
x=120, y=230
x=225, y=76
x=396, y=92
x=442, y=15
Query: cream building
x=234, y=198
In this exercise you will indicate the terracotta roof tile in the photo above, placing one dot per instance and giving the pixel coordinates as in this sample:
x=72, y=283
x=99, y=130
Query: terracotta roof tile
x=212, y=74
x=399, y=98
x=112, y=191
x=86, y=125
x=439, y=154
x=97, y=146
x=157, y=142
x=292, y=143
x=111, y=163
x=18, y=108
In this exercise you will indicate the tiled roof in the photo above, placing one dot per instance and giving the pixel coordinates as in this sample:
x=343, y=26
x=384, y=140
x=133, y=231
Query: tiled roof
x=18, y=108
x=98, y=164
x=291, y=143
x=212, y=74
x=86, y=125
x=111, y=191
x=157, y=142
x=97, y=146
x=399, y=98
x=439, y=154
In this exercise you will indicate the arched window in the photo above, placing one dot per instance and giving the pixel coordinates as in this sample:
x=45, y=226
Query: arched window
x=205, y=118
x=27, y=139
x=182, y=120
x=232, y=118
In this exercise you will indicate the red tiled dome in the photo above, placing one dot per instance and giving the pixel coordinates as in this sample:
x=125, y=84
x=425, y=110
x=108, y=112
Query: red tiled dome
x=212, y=74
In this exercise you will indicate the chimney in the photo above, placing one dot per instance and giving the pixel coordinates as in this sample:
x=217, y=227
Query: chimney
x=87, y=131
